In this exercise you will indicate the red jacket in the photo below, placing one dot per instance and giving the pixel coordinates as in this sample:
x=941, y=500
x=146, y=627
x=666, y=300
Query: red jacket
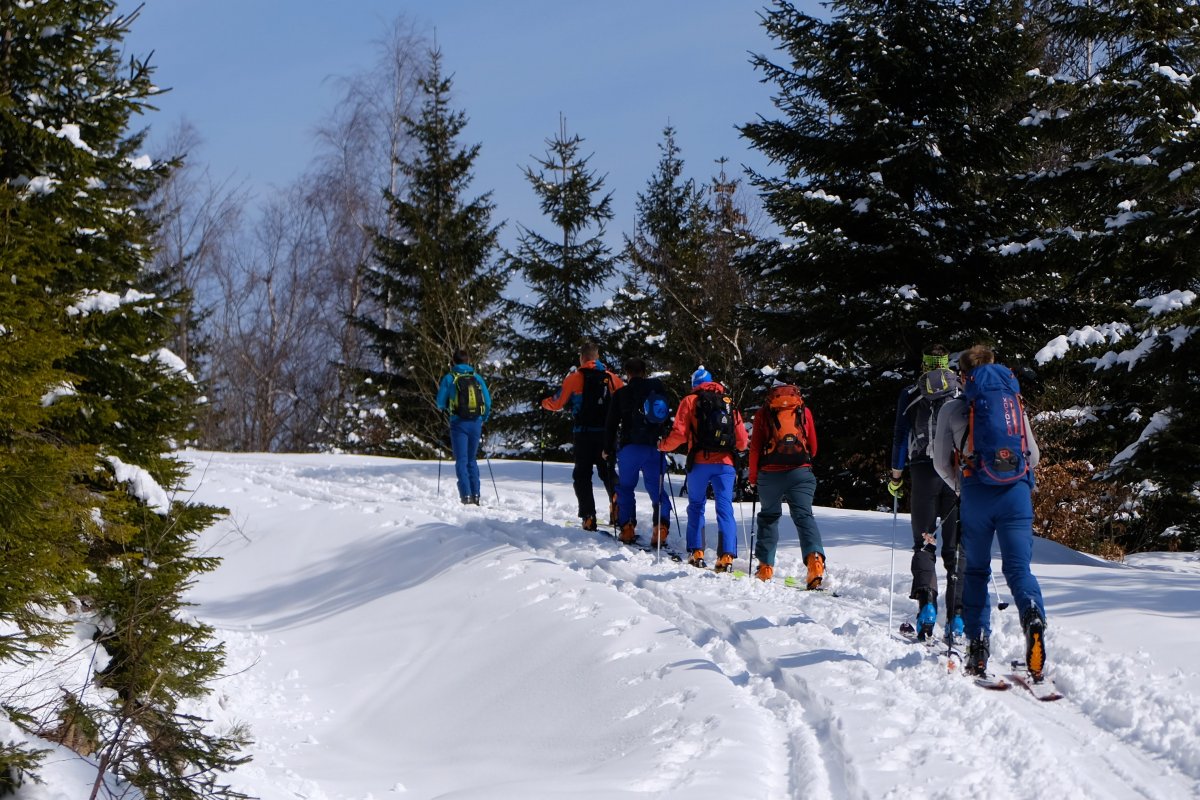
x=759, y=441
x=683, y=431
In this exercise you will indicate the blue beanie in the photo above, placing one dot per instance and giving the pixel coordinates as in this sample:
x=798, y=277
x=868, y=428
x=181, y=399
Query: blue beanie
x=701, y=376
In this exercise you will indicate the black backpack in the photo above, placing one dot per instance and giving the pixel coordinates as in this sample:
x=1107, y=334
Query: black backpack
x=714, y=422
x=467, y=402
x=933, y=389
x=593, y=401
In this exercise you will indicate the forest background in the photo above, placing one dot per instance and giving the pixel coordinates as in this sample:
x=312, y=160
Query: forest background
x=1013, y=174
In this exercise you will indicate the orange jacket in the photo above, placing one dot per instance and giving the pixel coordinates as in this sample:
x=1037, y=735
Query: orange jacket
x=684, y=430
x=572, y=389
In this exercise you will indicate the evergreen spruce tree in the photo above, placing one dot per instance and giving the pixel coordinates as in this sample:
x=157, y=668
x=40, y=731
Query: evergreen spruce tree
x=668, y=253
x=116, y=401
x=732, y=350
x=434, y=282
x=565, y=272
x=637, y=330
x=901, y=125
x=1126, y=210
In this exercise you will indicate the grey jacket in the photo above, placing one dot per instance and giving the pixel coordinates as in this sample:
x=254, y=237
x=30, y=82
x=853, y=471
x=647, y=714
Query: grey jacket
x=952, y=429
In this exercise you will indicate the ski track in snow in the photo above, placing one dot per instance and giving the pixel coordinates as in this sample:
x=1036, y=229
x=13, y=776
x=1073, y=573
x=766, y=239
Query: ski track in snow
x=850, y=710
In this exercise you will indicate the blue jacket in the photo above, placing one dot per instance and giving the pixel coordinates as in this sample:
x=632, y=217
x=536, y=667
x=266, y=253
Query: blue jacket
x=447, y=392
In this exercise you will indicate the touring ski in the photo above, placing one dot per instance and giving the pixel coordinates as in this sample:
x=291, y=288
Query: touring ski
x=994, y=684
x=1043, y=690
x=652, y=550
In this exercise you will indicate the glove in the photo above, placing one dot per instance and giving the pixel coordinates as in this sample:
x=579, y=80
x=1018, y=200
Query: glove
x=896, y=488
x=741, y=459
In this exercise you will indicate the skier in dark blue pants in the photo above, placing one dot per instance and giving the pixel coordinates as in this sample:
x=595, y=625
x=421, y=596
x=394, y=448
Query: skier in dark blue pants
x=465, y=395
x=993, y=502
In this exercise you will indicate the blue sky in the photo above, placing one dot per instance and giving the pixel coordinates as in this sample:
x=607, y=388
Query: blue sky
x=253, y=76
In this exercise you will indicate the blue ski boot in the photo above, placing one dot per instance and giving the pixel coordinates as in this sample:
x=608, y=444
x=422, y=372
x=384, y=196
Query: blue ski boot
x=954, y=629
x=925, y=621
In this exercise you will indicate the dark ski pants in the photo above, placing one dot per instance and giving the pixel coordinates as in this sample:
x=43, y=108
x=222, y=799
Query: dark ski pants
x=720, y=476
x=933, y=500
x=588, y=448
x=797, y=486
x=644, y=461
x=464, y=443
x=1005, y=512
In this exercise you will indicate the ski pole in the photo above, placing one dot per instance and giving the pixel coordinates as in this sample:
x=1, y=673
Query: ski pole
x=542, y=458
x=742, y=519
x=753, y=506
x=439, y=483
x=674, y=512
x=491, y=474
x=995, y=589
x=892, y=578
x=662, y=469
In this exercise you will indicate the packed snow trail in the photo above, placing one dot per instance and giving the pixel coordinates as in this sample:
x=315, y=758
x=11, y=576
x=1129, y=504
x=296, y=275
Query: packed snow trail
x=483, y=652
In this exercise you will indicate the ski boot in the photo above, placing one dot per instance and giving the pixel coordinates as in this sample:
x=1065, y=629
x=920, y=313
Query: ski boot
x=724, y=563
x=926, y=619
x=628, y=534
x=954, y=630
x=589, y=524
x=977, y=656
x=764, y=572
x=816, y=570
x=1035, y=644
x=697, y=559
x=658, y=537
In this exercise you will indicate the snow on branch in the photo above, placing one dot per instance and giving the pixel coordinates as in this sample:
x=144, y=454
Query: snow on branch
x=1158, y=422
x=141, y=485
x=100, y=302
x=821, y=194
x=70, y=132
x=1087, y=336
x=1171, y=75
x=1166, y=303
x=170, y=362
x=1126, y=215
x=1012, y=248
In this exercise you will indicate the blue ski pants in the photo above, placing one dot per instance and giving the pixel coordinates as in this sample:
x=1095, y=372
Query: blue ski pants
x=797, y=486
x=464, y=443
x=641, y=460
x=720, y=477
x=1005, y=512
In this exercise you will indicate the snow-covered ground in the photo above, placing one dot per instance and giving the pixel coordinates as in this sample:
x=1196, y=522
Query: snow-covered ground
x=385, y=641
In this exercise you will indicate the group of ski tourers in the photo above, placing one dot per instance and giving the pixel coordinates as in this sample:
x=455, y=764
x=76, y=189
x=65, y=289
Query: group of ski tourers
x=963, y=436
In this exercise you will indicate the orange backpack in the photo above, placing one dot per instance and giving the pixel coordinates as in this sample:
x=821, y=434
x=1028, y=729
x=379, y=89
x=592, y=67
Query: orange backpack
x=783, y=414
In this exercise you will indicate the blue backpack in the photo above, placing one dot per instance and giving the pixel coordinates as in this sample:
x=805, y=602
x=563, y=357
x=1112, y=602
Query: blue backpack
x=995, y=440
x=649, y=418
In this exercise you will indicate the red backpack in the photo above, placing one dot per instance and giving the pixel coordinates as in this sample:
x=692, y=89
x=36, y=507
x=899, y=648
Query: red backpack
x=783, y=414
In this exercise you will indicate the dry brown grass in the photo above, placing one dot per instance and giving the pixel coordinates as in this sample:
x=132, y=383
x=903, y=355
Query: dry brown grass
x=1072, y=509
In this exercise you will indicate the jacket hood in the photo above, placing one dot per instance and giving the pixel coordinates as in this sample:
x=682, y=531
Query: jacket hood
x=709, y=386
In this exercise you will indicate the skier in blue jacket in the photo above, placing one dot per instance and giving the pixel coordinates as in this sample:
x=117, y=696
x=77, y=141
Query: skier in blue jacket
x=464, y=395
